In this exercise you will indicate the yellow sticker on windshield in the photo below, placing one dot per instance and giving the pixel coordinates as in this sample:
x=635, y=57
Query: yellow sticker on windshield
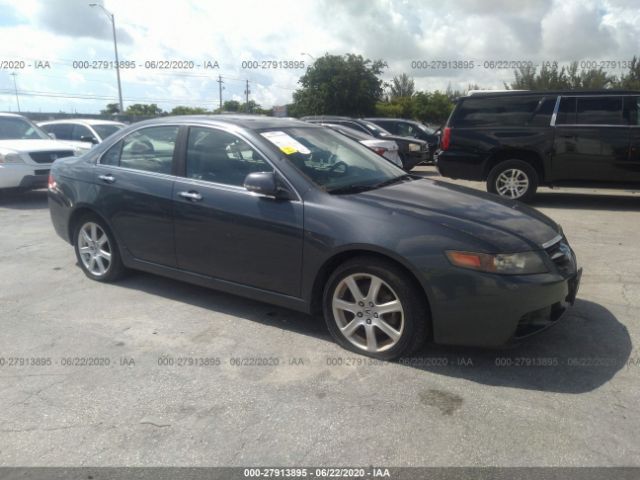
x=288, y=150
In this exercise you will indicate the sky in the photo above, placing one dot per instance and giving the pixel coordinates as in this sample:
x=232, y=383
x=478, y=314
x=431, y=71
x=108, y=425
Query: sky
x=56, y=33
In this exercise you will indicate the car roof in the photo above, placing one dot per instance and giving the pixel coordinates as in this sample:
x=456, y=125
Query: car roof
x=12, y=115
x=388, y=119
x=502, y=93
x=81, y=121
x=249, y=122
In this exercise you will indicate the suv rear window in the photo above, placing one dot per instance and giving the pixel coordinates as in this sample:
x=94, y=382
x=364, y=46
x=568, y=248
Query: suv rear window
x=496, y=111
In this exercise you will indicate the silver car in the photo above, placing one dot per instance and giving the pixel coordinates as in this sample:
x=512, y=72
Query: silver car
x=82, y=132
x=387, y=148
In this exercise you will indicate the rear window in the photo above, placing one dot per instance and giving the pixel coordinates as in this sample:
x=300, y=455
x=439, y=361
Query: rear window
x=496, y=111
x=592, y=110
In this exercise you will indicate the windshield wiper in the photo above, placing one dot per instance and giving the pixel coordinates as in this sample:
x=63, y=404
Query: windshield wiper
x=356, y=188
x=391, y=181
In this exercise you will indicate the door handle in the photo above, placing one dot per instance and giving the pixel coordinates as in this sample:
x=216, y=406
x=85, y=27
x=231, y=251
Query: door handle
x=191, y=195
x=108, y=178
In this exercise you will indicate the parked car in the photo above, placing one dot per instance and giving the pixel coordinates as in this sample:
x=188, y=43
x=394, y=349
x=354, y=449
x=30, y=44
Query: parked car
x=410, y=128
x=519, y=141
x=297, y=215
x=26, y=153
x=84, y=133
x=387, y=148
x=412, y=150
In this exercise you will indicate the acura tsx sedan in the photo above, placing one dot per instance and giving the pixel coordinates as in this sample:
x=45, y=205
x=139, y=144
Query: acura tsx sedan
x=297, y=215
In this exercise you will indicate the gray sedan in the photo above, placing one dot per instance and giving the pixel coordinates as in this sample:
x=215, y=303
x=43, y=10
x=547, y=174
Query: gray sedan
x=297, y=215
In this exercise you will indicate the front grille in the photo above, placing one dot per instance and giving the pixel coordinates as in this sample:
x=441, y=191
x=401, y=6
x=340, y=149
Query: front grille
x=50, y=157
x=562, y=256
x=41, y=172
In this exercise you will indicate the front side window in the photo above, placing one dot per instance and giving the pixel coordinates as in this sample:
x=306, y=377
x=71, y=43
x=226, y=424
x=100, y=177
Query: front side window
x=221, y=157
x=80, y=131
x=148, y=149
x=331, y=161
x=599, y=111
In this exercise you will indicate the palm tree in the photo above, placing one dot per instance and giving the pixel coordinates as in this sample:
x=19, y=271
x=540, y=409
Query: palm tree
x=401, y=86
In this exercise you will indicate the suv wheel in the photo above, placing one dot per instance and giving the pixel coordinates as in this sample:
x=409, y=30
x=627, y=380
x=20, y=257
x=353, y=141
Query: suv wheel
x=372, y=308
x=513, y=179
x=96, y=250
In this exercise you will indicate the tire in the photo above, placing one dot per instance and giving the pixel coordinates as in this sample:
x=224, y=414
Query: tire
x=409, y=324
x=96, y=250
x=522, y=173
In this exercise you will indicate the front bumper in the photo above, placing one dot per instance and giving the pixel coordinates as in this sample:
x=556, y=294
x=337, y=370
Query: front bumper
x=476, y=309
x=21, y=175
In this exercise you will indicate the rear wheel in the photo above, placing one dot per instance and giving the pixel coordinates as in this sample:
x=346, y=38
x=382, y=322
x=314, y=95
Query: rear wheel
x=513, y=179
x=372, y=307
x=96, y=250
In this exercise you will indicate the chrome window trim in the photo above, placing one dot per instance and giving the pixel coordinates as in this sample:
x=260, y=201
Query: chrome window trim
x=135, y=170
x=554, y=115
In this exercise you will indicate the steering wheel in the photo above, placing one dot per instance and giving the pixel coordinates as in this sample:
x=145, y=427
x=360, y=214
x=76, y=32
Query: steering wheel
x=339, y=163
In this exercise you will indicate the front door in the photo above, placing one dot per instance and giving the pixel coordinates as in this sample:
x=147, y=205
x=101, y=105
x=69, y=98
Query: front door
x=224, y=231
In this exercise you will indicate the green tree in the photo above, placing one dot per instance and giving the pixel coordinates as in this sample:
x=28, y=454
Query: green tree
x=401, y=86
x=231, y=106
x=432, y=107
x=144, y=110
x=386, y=109
x=552, y=76
x=111, y=109
x=631, y=79
x=184, y=110
x=340, y=85
x=250, y=107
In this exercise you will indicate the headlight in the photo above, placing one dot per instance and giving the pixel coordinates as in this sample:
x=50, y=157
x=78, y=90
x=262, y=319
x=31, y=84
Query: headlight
x=525, y=263
x=414, y=147
x=11, y=158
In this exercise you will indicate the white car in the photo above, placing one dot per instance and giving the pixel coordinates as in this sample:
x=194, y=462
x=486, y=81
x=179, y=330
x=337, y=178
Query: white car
x=27, y=152
x=387, y=148
x=82, y=132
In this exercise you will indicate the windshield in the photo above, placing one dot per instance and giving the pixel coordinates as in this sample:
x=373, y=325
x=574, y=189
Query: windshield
x=348, y=132
x=332, y=162
x=19, y=129
x=375, y=128
x=426, y=129
x=104, y=130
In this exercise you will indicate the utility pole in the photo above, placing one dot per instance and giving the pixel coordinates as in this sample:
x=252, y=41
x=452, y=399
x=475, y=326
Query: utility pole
x=15, y=86
x=246, y=96
x=220, y=82
x=115, y=46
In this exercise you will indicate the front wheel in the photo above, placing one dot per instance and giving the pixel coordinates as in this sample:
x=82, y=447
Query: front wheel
x=373, y=308
x=513, y=179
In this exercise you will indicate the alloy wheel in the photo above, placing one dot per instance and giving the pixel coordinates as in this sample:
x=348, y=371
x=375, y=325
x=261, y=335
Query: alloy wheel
x=512, y=183
x=94, y=249
x=368, y=312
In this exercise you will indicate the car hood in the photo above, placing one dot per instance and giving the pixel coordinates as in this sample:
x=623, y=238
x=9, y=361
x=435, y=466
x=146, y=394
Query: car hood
x=35, y=145
x=499, y=225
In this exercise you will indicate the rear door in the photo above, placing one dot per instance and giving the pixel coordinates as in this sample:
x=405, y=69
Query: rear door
x=591, y=140
x=134, y=180
x=224, y=231
x=632, y=112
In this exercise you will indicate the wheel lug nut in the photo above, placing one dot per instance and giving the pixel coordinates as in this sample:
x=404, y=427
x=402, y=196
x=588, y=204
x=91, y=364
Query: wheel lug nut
x=361, y=304
x=359, y=314
x=368, y=321
x=371, y=304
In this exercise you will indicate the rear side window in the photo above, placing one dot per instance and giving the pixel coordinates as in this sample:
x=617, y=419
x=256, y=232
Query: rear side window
x=599, y=111
x=148, y=149
x=496, y=111
x=631, y=107
x=567, y=111
x=542, y=116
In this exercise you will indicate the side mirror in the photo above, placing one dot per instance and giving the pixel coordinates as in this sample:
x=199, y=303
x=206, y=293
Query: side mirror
x=91, y=139
x=52, y=135
x=264, y=184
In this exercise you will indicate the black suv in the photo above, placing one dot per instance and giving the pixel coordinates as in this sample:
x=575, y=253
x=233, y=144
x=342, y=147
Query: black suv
x=409, y=128
x=412, y=151
x=517, y=141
